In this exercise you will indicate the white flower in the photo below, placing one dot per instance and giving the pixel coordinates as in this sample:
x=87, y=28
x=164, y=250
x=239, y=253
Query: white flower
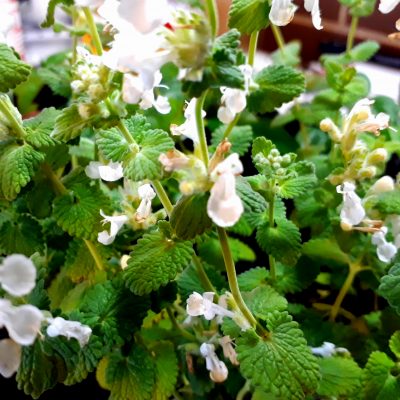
x=385, y=250
x=116, y=223
x=386, y=6
x=17, y=275
x=352, y=212
x=328, y=350
x=228, y=349
x=383, y=184
x=282, y=12
x=70, y=329
x=224, y=206
x=217, y=368
x=146, y=194
x=173, y=160
x=110, y=173
x=312, y=6
x=189, y=127
x=198, y=304
x=10, y=357
x=374, y=124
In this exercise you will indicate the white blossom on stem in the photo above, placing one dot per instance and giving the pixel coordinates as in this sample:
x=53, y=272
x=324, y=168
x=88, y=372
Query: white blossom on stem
x=110, y=173
x=384, y=249
x=217, y=368
x=386, y=6
x=116, y=223
x=352, y=212
x=328, y=350
x=10, y=357
x=17, y=275
x=224, y=206
x=189, y=127
x=312, y=6
x=282, y=12
x=70, y=329
x=146, y=194
x=197, y=305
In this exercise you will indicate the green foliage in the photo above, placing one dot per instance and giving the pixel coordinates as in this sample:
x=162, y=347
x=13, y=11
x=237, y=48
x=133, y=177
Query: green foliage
x=252, y=278
x=49, y=21
x=394, y=344
x=388, y=202
x=281, y=363
x=155, y=260
x=55, y=73
x=339, y=377
x=38, y=129
x=19, y=164
x=13, y=71
x=360, y=8
x=325, y=249
x=249, y=15
x=390, y=287
x=289, y=55
x=240, y=137
x=278, y=84
x=361, y=52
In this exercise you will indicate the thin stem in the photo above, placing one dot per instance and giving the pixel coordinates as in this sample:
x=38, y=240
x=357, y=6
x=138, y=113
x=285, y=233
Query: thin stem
x=352, y=34
x=280, y=41
x=230, y=127
x=213, y=17
x=183, y=332
x=16, y=125
x=163, y=196
x=125, y=132
x=200, y=128
x=354, y=269
x=95, y=254
x=75, y=37
x=243, y=391
x=205, y=281
x=58, y=187
x=93, y=31
x=232, y=278
x=252, y=47
x=271, y=258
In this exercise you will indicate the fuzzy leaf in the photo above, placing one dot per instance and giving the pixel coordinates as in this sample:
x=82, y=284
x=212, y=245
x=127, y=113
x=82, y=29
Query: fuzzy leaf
x=378, y=382
x=19, y=164
x=325, y=249
x=277, y=85
x=394, y=344
x=339, y=376
x=57, y=77
x=390, y=287
x=360, y=8
x=155, y=260
x=282, y=363
x=389, y=202
x=13, y=71
x=112, y=144
x=131, y=377
x=240, y=137
x=249, y=15
x=252, y=201
x=282, y=241
x=252, y=279
x=38, y=129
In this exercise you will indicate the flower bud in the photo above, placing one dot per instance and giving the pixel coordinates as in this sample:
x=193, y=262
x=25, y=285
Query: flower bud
x=367, y=172
x=377, y=156
x=383, y=184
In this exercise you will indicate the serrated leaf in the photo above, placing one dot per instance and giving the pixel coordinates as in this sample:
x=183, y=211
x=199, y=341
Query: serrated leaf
x=281, y=363
x=289, y=55
x=51, y=9
x=325, y=249
x=264, y=300
x=339, y=376
x=57, y=77
x=378, y=382
x=394, y=344
x=131, y=377
x=252, y=279
x=155, y=260
x=360, y=8
x=240, y=137
x=112, y=144
x=390, y=287
x=388, y=202
x=19, y=164
x=78, y=211
x=189, y=217
x=282, y=241
x=278, y=84
x=249, y=15
x=166, y=364
x=39, y=128
x=13, y=71
x=252, y=201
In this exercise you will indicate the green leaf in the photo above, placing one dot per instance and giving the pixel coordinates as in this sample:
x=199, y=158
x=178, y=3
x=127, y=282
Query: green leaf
x=51, y=9
x=390, y=287
x=13, y=71
x=264, y=300
x=360, y=8
x=131, y=377
x=281, y=363
x=252, y=279
x=19, y=164
x=240, y=137
x=378, y=382
x=361, y=52
x=388, y=202
x=325, y=249
x=249, y=15
x=69, y=124
x=189, y=217
x=38, y=129
x=78, y=211
x=289, y=55
x=241, y=251
x=166, y=370
x=339, y=377
x=394, y=344
x=112, y=144
x=57, y=77
x=252, y=201
x=155, y=260
x=282, y=241
x=278, y=84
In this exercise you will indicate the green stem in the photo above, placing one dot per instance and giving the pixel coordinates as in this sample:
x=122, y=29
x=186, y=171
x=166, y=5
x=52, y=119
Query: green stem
x=271, y=258
x=183, y=332
x=213, y=17
x=354, y=269
x=16, y=125
x=232, y=278
x=75, y=37
x=252, y=47
x=230, y=127
x=205, y=281
x=125, y=132
x=163, y=196
x=93, y=31
x=95, y=254
x=280, y=41
x=352, y=34
x=58, y=186
x=200, y=128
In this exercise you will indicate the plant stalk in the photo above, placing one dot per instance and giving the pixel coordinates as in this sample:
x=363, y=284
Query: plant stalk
x=125, y=132
x=93, y=31
x=252, y=48
x=352, y=34
x=183, y=332
x=280, y=41
x=16, y=125
x=271, y=258
x=95, y=254
x=200, y=128
x=212, y=11
x=204, y=279
x=163, y=196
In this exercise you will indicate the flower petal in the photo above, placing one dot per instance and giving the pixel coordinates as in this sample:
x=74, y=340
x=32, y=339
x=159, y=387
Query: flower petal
x=10, y=357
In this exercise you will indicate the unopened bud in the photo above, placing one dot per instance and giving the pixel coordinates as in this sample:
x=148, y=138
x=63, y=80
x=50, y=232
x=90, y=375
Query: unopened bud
x=326, y=125
x=186, y=188
x=377, y=156
x=346, y=226
x=367, y=172
x=384, y=184
x=77, y=86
